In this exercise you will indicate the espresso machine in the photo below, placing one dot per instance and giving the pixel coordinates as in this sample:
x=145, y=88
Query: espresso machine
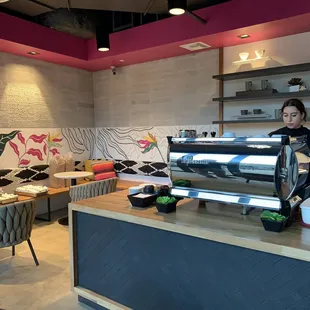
x=266, y=173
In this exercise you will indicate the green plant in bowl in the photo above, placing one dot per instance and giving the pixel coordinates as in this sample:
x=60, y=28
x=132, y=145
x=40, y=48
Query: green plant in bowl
x=272, y=216
x=164, y=200
x=182, y=183
x=166, y=204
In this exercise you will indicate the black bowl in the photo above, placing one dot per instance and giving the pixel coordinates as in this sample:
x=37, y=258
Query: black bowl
x=142, y=202
x=274, y=225
x=164, y=190
x=166, y=208
x=149, y=189
x=257, y=111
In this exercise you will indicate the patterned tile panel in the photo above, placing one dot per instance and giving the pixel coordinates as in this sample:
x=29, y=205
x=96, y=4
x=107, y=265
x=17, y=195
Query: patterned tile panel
x=146, y=168
x=41, y=172
x=23, y=175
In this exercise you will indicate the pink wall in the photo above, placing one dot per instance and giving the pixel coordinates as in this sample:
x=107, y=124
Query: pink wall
x=20, y=31
x=262, y=19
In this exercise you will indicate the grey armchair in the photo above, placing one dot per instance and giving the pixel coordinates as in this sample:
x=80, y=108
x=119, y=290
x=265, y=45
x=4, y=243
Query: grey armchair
x=16, y=221
x=92, y=189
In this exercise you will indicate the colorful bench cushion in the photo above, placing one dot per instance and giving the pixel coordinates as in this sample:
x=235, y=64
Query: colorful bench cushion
x=106, y=166
x=105, y=175
x=89, y=167
x=104, y=170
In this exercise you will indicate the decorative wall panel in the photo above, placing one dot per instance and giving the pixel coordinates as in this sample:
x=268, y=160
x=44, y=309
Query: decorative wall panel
x=25, y=153
x=141, y=143
x=25, y=147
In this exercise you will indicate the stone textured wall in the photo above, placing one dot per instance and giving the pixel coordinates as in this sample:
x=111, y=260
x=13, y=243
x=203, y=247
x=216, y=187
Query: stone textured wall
x=39, y=94
x=174, y=91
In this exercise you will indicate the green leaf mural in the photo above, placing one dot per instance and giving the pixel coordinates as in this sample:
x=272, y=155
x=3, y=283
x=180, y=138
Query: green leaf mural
x=5, y=138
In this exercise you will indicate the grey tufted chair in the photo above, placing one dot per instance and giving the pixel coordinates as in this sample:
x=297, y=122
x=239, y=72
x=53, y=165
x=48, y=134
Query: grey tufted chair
x=92, y=189
x=16, y=220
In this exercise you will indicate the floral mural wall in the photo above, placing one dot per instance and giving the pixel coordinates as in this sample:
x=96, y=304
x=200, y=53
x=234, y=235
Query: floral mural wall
x=38, y=147
x=25, y=153
x=141, y=143
x=28, y=147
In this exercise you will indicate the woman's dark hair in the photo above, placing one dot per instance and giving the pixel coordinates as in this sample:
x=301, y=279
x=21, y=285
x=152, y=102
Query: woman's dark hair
x=297, y=104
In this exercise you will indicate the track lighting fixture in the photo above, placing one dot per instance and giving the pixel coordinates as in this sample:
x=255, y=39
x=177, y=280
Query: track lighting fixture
x=177, y=7
x=103, y=39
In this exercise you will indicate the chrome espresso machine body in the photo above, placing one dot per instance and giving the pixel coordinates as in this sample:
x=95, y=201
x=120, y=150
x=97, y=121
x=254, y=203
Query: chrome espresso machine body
x=267, y=173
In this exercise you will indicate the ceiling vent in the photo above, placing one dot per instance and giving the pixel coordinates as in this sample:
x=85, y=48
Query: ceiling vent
x=196, y=46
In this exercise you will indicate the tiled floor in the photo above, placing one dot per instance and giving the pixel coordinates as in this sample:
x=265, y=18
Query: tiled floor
x=46, y=287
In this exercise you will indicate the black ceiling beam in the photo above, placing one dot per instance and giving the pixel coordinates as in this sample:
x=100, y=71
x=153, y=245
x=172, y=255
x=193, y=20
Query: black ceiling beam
x=196, y=17
x=43, y=4
x=149, y=6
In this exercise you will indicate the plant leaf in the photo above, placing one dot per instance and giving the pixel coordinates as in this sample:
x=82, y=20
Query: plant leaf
x=5, y=137
x=14, y=147
x=54, y=151
x=45, y=148
x=153, y=138
x=35, y=152
x=150, y=147
x=21, y=138
x=57, y=139
x=24, y=162
x=51, y=143
x=38, y=139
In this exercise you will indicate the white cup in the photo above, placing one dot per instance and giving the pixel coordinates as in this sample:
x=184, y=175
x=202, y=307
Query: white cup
x=244, y=56
x=135, y=190
x=259, y=53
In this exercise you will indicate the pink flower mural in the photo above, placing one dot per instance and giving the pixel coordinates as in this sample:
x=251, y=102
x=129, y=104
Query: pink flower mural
x=25, y=153
x=149, y=143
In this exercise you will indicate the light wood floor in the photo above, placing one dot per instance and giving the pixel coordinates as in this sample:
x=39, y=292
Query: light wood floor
x=46, y=287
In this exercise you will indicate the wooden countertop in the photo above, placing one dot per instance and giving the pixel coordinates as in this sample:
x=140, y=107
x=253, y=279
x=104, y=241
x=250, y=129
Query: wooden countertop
x=220, y=223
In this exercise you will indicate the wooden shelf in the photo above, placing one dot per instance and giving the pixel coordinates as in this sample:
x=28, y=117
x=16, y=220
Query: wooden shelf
x=299, y=94
x=247, y=61
x=253, y=121
x=249, y=121
x=263, y=72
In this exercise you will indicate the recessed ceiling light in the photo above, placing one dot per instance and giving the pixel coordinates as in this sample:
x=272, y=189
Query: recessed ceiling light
x=244, y=36
x=121, y=60
x=33, y=53
x=195, y=46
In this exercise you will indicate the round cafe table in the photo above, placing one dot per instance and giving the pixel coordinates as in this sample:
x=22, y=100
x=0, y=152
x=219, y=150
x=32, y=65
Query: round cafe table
x=73, y=176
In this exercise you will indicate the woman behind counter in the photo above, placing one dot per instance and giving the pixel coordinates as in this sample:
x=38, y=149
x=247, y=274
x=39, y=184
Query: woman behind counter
x=293, y=114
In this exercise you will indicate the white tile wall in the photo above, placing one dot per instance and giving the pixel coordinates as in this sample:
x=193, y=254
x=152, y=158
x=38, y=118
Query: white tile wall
x=174, y=91
x=39, y=94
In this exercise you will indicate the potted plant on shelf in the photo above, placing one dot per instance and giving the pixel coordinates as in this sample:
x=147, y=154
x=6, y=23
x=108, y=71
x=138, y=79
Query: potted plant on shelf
x=182, y=183
x=294, y=84
x=273, y=221
x=166, y=204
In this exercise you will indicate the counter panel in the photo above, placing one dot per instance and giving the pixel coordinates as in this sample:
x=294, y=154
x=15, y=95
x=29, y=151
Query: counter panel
x=148, y=268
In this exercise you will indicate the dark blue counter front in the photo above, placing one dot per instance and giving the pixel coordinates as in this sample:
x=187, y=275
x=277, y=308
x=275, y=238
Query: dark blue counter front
x=147, y=268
